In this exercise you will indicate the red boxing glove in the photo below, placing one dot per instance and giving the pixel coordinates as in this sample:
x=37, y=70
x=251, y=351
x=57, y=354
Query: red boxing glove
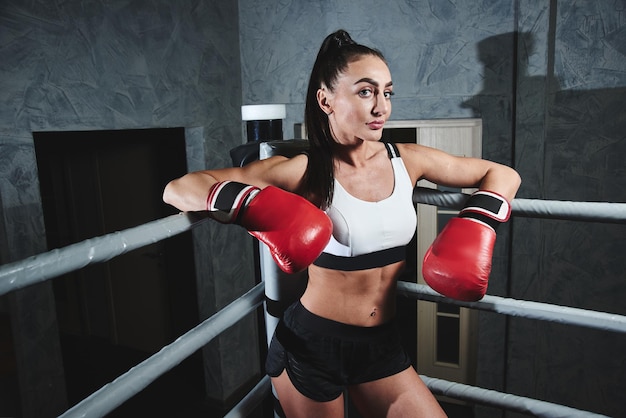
x=294, y=229
x=458, y=262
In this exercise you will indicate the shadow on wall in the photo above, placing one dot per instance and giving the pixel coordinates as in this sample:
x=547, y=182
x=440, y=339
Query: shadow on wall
x=567, y=144
x=506, y=86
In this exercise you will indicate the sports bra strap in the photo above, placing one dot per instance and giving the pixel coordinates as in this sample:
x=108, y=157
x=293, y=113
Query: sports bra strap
x=392, y=150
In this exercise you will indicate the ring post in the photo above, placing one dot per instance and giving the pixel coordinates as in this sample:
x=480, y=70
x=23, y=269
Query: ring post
x=281, y=289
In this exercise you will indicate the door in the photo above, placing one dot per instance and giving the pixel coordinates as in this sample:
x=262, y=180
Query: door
x=446, y=334
x=94, y=183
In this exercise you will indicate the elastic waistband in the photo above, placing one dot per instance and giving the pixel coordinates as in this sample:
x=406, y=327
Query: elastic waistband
x=317, y=324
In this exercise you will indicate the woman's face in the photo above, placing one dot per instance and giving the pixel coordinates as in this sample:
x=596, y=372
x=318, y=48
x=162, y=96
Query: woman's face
x=360, y=102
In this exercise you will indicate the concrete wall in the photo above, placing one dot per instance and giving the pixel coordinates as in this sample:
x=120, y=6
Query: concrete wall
x=88, y=65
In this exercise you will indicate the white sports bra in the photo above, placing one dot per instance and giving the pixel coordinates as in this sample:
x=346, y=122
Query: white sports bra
x=371, y=234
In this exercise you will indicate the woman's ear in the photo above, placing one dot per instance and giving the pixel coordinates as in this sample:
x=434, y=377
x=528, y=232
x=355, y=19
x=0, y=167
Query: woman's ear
x=323, y=100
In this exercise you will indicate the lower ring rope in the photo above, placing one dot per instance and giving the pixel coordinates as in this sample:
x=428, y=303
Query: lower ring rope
x=124, y=387
x=504, y=400
x=246, y=406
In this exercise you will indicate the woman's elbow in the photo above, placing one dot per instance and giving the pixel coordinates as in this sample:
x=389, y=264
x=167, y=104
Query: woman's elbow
x=168, y=194
x=173, y=196
x=514, y=180
x=188, y=193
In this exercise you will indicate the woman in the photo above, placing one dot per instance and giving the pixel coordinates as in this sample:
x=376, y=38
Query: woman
x=341, y=333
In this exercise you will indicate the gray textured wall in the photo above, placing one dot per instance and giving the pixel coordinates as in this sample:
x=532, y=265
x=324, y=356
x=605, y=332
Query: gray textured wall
x=548, y=79
x=570, y=145
x=121, y=64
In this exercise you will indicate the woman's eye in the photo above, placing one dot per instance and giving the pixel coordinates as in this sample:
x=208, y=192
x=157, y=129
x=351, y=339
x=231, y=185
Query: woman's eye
x=365, y=93
x=388, y=94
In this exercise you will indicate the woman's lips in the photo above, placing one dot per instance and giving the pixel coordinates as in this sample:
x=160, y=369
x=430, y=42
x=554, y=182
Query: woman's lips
x=377, y=124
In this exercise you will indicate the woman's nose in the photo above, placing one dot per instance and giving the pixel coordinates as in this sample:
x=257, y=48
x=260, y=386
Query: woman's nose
x=381, y=106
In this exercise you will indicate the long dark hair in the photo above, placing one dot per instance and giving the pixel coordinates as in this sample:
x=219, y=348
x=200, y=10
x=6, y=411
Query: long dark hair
x=337, y=51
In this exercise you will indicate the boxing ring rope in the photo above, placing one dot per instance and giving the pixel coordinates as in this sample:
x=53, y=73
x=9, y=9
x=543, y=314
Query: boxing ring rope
x=112, y=395
x=506, y=401
x=41, y=267
x=35, y=269
x=534, y=208
x=524, y=309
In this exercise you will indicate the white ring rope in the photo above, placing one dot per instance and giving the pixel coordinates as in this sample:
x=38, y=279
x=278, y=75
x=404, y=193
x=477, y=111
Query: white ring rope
x=504, y=400
x=124, y=387
x=524, y=309
x=41, y=267
x=246, y=406
x=534, y=208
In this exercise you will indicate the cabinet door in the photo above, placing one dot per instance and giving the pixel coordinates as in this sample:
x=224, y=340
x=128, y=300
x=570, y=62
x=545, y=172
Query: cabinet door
x=446, y=334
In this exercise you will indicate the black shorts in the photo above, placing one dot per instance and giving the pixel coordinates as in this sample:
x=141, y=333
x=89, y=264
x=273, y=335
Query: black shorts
x=322, y=356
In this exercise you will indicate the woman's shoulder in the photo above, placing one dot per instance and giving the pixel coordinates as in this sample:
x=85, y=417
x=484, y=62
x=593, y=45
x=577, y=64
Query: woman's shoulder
x=283, y=172
x=410, y=147
x=295, y=164
x=415, y=158
x=411, y=152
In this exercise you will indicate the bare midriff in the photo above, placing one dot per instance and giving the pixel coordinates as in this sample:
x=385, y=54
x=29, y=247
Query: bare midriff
x=363, y=297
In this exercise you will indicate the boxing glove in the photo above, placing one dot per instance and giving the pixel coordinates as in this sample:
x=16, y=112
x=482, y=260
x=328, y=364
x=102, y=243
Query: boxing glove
x=294, y=230
x=458, y=262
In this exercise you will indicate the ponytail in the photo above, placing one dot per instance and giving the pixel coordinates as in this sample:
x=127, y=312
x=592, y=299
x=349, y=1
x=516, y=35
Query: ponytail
x=337, y=51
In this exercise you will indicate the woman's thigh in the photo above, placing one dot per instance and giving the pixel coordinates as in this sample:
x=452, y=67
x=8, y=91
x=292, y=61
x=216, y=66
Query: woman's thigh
x=401, y=395
x=296, y=405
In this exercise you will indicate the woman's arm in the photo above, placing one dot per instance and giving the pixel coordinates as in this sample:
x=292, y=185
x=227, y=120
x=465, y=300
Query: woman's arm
x=447, y=170
x=458, y=262
x=190, y=192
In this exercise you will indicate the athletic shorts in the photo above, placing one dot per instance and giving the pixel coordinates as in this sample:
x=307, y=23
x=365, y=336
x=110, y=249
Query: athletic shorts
x=322, y=356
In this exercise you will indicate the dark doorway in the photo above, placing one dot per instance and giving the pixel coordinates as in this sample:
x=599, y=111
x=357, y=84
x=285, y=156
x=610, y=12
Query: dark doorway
x=113, y=315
